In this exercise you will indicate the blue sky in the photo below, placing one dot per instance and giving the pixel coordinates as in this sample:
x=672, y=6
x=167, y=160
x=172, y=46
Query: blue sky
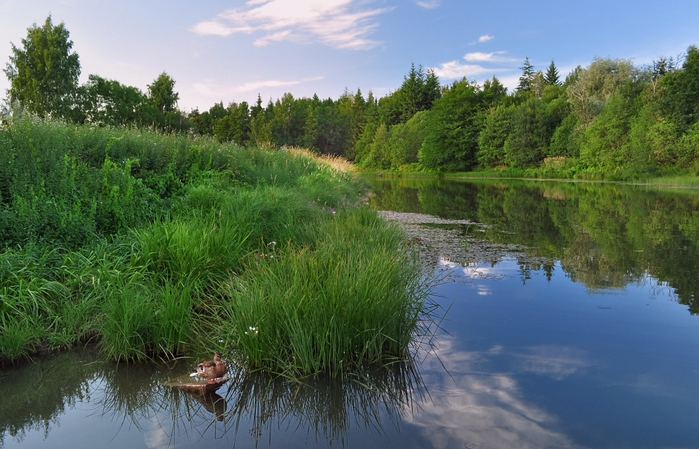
x=232, y=50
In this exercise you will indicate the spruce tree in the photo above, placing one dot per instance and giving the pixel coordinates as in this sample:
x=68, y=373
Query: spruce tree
x=525, y=81
x=551, y=77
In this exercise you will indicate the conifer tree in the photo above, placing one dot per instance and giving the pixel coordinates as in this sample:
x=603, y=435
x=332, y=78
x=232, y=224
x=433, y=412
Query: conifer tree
x=525, y=81
x=551, y=77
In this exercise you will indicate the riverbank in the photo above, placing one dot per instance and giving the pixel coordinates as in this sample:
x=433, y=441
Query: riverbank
x=690, y=179
x=155, y=246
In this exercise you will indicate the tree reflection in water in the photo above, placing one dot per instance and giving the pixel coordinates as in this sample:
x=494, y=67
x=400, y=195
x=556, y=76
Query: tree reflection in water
x=132, y=399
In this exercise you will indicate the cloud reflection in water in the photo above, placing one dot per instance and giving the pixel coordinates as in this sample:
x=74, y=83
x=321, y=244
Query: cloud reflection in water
x=473, y=408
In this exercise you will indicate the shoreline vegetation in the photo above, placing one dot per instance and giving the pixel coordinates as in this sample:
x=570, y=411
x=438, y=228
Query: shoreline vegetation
x=611, y=120
x=159, y=246
x=671, y=181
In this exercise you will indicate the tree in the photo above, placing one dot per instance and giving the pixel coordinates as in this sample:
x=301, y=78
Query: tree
x=451, y=139
x=327, y=128
x=235, y=125
x=162, y=95
x=205, y=123
x=603, y=144
x=493, y=92
x=525, y=81
x=405, y=140
x=681, y=100
x=288, y=120
x=551, y=77
x=108, y=102
x=418, y=92
x=495, y=131
x=528, y=139
x=44, y=73
x=590, y=88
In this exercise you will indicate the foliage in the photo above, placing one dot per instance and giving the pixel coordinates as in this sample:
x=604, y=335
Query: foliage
x=681, y=91
x=491, y=140
x=552, y=77
x=593, y=86
x=418, y=92
x=162, y=95
x=43, y=74
x=451, y=141
x=136, y=240
x=110, y=103
x=234, y=126
x=526, y=142
x=474, y=127
x=527, y=78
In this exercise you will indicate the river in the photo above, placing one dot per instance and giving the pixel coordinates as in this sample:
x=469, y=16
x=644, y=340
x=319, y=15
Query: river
x=567, y=318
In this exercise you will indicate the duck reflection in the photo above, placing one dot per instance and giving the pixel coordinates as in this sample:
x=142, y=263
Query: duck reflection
x=212, y=402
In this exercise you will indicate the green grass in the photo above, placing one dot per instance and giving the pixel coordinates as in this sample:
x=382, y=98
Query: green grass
x=160, y=246
x=353, y=298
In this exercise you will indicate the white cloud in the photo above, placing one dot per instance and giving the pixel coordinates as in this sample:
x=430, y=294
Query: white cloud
x=337, y=23
x=486, y=57
x=481, y=408
x=428, y=4
x=485, y=38
x=212, y=89
x=455, y=69
x=280, y=36
x=554, y=360
x=254, y=85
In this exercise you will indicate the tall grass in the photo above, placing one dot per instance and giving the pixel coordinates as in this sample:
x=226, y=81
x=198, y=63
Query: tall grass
x=160, y=245
x=353, y=298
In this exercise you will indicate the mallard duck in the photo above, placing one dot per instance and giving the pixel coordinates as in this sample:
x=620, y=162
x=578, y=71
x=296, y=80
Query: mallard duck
x=212, y=369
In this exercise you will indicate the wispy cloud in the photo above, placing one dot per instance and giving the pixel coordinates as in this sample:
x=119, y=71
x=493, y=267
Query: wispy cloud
x=337, y=23
x=211, y=88
x=485, y=38
x=457, y=69
x=428, y=4
x=478, y=406
x=254, y=85
x=487, y=57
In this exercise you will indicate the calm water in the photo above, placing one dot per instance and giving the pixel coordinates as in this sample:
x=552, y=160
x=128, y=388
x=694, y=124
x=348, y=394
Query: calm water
x=582, y=333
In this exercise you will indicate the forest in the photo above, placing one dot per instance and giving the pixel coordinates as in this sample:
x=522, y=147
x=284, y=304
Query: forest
x=610, y=120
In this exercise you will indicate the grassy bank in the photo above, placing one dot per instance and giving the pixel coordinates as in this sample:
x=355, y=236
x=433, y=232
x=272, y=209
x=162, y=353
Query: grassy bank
x=687, y=177
x=156, y=246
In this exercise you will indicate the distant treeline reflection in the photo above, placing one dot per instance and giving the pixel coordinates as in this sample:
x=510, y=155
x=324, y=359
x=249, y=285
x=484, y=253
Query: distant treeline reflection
x=605, y=236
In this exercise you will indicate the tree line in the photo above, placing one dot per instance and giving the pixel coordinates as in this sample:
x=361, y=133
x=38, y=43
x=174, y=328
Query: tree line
x=606, y=117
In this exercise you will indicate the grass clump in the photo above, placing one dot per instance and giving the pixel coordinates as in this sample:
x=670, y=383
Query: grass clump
x=353, y=298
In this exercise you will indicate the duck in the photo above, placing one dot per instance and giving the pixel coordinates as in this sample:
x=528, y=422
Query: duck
x=212, y=369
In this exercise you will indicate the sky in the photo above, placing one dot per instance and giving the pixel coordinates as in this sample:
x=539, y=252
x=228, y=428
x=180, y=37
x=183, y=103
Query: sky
x=231, y=51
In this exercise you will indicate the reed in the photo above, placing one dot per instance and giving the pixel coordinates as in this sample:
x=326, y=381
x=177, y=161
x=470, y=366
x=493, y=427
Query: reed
x=353, y=298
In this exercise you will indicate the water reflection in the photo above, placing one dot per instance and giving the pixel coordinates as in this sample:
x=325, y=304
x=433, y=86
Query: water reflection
x=327, y=409
x=570, y=337
x=476, y=407
x=129, y=404
x=605, y=236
